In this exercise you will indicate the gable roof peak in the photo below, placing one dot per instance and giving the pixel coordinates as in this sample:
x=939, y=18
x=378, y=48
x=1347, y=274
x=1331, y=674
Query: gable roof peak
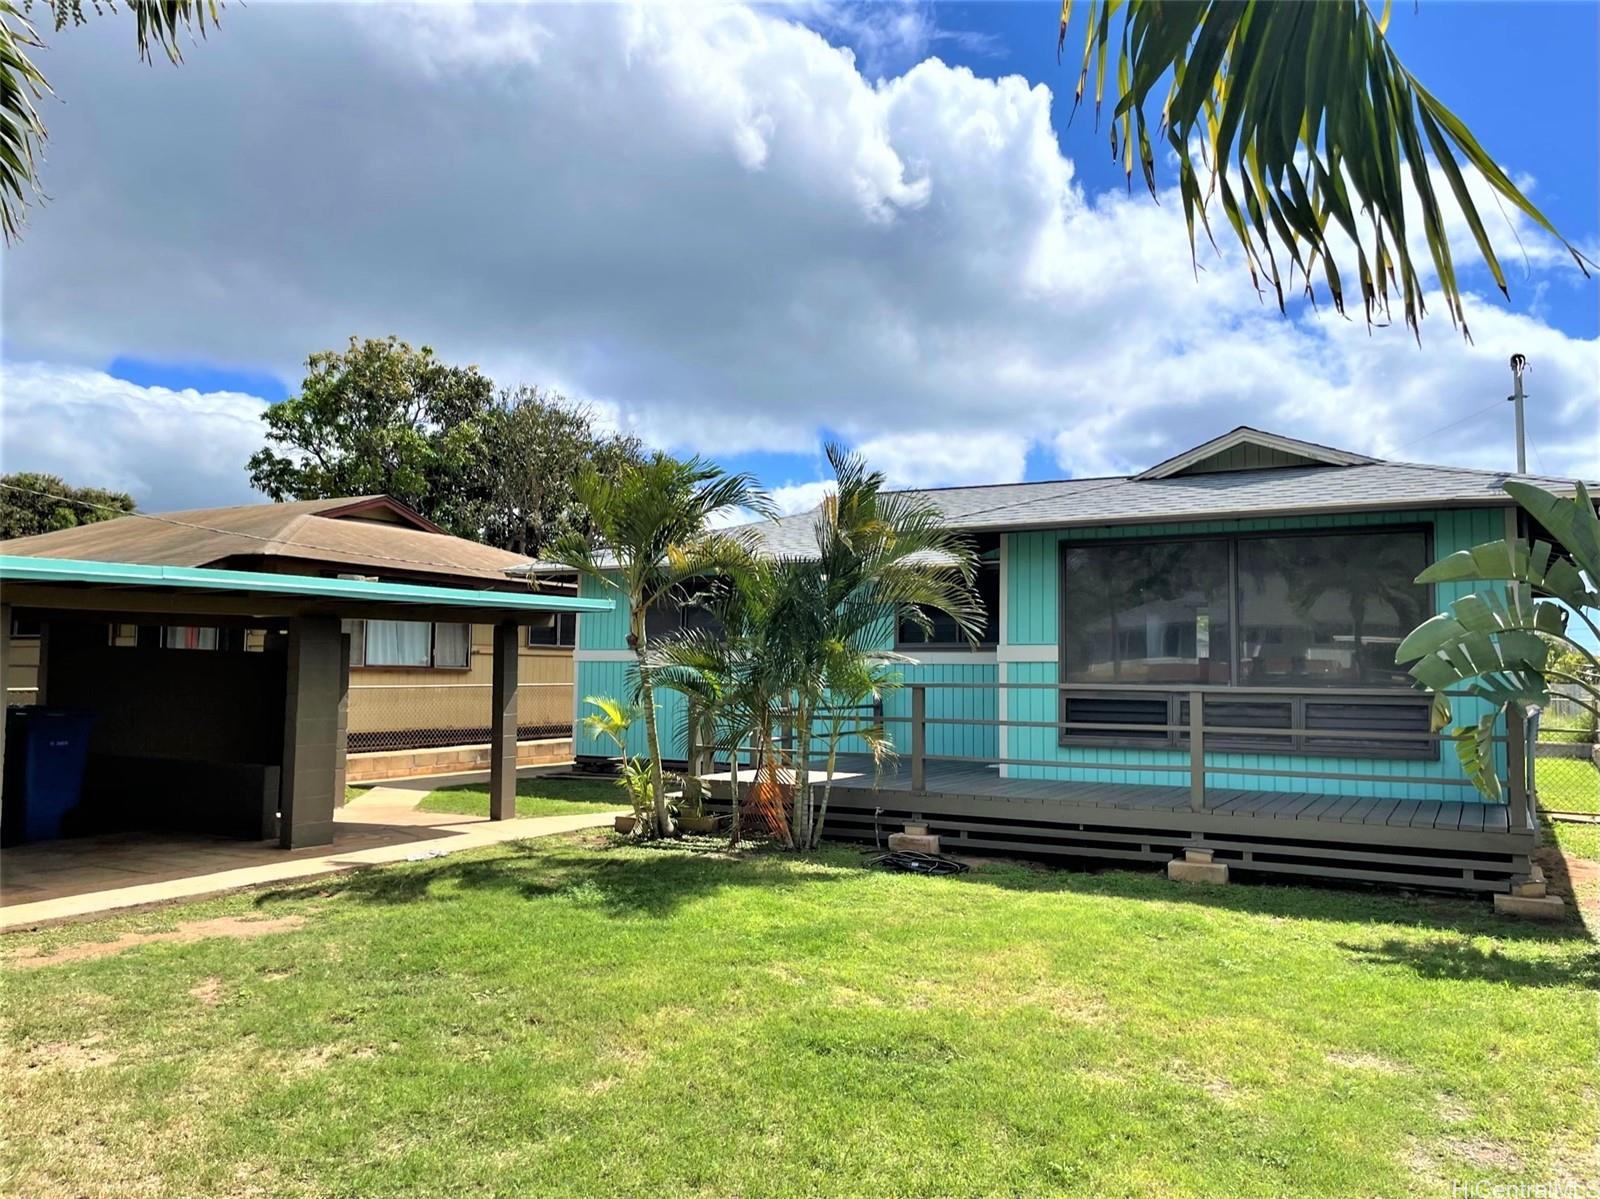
x=1246, y=448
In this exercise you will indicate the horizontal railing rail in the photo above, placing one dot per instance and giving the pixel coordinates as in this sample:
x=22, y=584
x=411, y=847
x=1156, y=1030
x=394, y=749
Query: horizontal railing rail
x=1193, y=738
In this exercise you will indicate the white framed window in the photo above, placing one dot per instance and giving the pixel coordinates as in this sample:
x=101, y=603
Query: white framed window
x=416, y=644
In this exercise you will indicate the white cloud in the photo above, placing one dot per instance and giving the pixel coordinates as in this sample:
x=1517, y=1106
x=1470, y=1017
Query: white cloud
x=709, y=222
x=799, y=497
x=168, y=449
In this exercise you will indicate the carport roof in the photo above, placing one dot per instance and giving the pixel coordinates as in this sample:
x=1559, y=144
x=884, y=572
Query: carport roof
x=43, y=582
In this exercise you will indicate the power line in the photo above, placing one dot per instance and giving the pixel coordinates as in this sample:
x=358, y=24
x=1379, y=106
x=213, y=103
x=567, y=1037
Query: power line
x=1451, y=425
x=184, y=524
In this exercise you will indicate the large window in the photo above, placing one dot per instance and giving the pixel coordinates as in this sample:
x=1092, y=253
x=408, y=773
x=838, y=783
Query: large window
x=1147, y=612
x=1311, y=609
x=944, y=631
x=417, y=644
x=1291, y=611
x=1329, y=609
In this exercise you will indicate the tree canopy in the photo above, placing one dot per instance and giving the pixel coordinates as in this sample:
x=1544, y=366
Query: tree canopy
x=384, y=417
x=32, y=503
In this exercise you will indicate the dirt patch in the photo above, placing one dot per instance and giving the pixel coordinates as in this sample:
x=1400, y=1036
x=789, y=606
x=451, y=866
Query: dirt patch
x=68, y=1056
x=192, y=930
x=208, y=991
x=1567, y=875
x=1453, y=1111
x=1481, y=1151
x=1443, y=1158
x=1366, y=1061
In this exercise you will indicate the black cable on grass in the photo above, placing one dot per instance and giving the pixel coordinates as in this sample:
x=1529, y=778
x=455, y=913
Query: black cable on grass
x=909, y=862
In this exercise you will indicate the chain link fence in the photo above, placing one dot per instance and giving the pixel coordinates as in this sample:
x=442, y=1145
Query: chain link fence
x=395, y=716
x=1566, y=774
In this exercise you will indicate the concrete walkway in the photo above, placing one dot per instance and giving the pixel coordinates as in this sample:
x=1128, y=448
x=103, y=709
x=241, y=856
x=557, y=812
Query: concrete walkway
x=89, y=876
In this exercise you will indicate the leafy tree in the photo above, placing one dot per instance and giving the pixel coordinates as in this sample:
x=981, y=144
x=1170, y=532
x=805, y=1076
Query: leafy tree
x=534, y=442
x=655, y=540
x=22, y=84
x=382, y=417
x=1302, y=123
x=1498, y=647
x=34, y=503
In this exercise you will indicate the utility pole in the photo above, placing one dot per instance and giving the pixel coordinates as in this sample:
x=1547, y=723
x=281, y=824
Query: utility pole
x=1519, y=363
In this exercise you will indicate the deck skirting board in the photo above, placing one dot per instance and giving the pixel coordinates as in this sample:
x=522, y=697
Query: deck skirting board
x=1401, y=853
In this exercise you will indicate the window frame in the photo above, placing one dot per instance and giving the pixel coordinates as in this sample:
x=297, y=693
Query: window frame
x=433, y=652
x=571, y=618
x=1306, y=742
x=961, y=644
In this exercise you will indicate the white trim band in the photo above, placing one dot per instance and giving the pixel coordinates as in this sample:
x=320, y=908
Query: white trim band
x=1029, y=653
x=604, y=655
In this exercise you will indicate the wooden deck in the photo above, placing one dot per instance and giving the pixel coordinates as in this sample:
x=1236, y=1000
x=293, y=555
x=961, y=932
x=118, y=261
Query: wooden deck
x=1457, y=845
x=958, y=778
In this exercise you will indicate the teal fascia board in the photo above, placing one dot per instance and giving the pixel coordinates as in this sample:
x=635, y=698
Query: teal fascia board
x=133, y=574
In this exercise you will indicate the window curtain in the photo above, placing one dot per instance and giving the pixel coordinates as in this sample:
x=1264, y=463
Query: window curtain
x=189, y=637
x=452, y=644
x=397, y=643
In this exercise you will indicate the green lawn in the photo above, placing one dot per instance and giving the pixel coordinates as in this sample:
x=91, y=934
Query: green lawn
x=585, y=1016
x=1570, y=785
x=535, y=797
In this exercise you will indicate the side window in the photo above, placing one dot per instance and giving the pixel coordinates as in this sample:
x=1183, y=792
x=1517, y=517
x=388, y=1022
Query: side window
x=188, y=637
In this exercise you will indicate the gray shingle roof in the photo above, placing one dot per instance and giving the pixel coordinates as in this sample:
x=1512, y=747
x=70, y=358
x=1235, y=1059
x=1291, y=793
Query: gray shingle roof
x=1281, y=491
x=1362, y=485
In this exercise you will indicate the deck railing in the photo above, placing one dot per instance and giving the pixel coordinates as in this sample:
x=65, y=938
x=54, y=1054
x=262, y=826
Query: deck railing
x=1199, y=734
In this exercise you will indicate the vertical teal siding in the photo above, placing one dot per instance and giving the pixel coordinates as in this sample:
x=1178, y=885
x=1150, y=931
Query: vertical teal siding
x=950, y=703
x=1033, y=615
x=1033, y=612
x=615, y=680
x=603, y=630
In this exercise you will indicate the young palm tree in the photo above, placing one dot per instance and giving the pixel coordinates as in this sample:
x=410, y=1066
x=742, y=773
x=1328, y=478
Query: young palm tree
x=881, y=558
x=654, y=523
x=802, y=636
x=730, y=682
x=1497, y=648
x=1303, y=123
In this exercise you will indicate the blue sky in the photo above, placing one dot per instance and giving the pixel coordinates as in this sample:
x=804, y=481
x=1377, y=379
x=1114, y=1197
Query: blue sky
x=722, y=233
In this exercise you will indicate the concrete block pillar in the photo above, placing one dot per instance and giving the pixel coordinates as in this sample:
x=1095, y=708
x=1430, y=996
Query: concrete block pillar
x=341, y=745
x=503, y=722
x=5, y=683
x=316, y=669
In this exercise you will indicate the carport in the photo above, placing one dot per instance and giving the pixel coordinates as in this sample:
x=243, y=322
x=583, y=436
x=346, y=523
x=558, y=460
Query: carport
x=249, y=738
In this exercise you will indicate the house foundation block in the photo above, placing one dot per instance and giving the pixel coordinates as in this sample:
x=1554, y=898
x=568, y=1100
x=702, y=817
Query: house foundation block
x=1183, y=870
x=1531, y=907
x=1532, y=886
x=914, y=842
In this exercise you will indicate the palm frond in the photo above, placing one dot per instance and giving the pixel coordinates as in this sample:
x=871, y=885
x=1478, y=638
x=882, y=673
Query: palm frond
x=1299, y=120
x=159, y=23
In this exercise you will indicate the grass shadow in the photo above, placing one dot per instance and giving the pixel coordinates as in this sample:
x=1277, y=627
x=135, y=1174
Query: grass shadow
x=1462, y=961
x=623, y=879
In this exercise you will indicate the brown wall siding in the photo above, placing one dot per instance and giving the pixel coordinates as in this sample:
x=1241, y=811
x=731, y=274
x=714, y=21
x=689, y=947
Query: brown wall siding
x=386, y=698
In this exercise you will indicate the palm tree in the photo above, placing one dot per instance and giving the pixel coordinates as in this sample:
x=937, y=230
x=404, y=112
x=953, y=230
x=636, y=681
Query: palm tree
x=654, y=519
x=802, y=636
x=1497, y=647
x=882, y=558
x=22, y=84
x=1301, y=121
x=729, y=678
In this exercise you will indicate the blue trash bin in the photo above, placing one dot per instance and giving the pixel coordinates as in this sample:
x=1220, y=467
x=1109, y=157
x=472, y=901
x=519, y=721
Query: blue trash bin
x=46, y=749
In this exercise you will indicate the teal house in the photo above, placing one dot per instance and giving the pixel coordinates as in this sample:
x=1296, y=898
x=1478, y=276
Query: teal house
x=1198, y=657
